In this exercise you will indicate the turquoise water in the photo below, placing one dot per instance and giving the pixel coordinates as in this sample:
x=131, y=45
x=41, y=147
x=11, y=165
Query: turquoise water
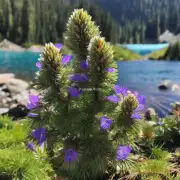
x=142, y=76
x=20, y=63
x=144, y=49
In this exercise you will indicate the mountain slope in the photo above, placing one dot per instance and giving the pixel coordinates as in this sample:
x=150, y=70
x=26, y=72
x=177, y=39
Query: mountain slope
x=143, y=20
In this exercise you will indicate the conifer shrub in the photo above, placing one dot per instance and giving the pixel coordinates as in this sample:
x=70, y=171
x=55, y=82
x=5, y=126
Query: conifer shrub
x=84, y=124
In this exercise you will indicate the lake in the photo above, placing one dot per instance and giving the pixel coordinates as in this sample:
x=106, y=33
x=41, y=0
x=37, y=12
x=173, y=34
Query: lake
x=144, y=49
x=142, y=76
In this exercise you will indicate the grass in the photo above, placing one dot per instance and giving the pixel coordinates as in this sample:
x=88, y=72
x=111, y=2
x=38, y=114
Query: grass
x=157, y=55
x=124, y=54
x=120, y=54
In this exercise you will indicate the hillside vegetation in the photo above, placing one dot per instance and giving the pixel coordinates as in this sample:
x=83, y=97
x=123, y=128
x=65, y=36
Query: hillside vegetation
x=143, y=20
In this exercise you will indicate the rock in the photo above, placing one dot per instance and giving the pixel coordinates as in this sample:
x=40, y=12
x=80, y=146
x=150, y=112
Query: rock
x=165, y=85
x=36, y=48
x=4, y=78
x=3, y=110
x=22, y=97
x=19, y=111
x=6, y=45
x=16, y=86
x=175, y=87
x=33, y=91
x=149, y=113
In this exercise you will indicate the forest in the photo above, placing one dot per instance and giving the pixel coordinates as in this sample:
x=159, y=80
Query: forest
x=39, y=21
x=143, y=20
x=121, y=21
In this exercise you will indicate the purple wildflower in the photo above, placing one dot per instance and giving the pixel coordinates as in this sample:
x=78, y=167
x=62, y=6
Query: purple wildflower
x=40, y=135
x=105, y=122
x=33, y=102
x=113, y=98
x=140, y=98
x=70, y=155
x=120, y=90
x=58, y=45
x=141, y=101
x=136, y=116
x=65, y=59
x=39, y=65
x=30, y=146
x=83, y=65
x=109, y=70
x=74, y=92
x=78, y=77
x=32, y=114
x=122, y=152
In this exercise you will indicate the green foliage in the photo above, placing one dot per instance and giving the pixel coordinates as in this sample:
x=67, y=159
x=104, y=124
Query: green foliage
x=24, y=21
x=75, y=122
x=124, y=54
x=16, y=162
x=172, y=52
x=157, y=55
x=147, y=18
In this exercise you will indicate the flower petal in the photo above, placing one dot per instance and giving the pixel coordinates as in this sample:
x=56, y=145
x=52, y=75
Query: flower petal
x=105, y=122
x=122, y=152
x=110, y=70
x=65, y=59
x=78, y=77
x=70, y=155
x=139, y=108
x=30, y=146
x=34, y=99
x=58, y=45
x=83, y=65
x=136, y=116
x=74, y=92
x=32, y=114
x=113, y=98
x=120, y=90
x=31, y=105
x=39, y=134
x=39, y=65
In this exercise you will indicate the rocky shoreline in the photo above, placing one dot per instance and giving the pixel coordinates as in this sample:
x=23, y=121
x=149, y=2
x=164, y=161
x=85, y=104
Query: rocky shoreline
x=6, y=45
x=14, y=94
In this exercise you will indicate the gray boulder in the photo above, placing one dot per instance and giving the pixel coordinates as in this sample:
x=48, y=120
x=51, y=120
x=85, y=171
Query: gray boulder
x=149, y=114
x=16, y=86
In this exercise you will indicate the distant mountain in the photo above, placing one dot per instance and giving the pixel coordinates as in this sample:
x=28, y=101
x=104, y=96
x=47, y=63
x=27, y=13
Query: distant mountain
x=143, y=20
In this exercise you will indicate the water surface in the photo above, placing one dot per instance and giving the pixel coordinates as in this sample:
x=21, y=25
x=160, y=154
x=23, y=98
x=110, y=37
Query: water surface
x=143, y=76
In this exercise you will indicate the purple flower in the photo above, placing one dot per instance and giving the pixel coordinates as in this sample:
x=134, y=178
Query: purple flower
x=74, y=92
x=141, y=101
x=122, y=152
x=58, y=45
x=65, y=59
x=69, y=155
x=109, y=70
x=33, y=102
x=39, y=65
x=113, y=98
x=120, y=90
x=83, y=65
x=105, y=122
x=32, y=114
x=140, y=98
x=40, y=135
x=78, y=77
x=136, y=116
x=30, y=146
